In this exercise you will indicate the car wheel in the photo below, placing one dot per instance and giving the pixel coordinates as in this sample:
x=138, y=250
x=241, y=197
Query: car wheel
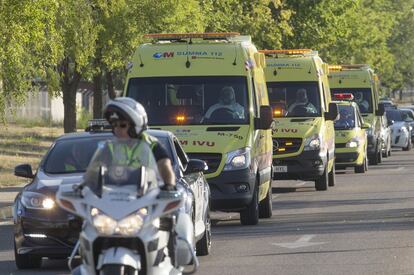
x=379, y=156
x=26, y=261
x=331, y=176
x=203, y=246
x=265, y=206
x=250, y=215
x=408, y=147
x=321, y=184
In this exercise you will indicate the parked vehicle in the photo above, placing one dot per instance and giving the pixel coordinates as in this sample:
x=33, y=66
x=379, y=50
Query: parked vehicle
x=59, y=228
x=386, y=137
x=408, y=116
x=129, y=225
x=400, y=129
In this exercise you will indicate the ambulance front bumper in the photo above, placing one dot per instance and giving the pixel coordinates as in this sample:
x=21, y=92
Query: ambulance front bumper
x=307, y=166
x=232, y=190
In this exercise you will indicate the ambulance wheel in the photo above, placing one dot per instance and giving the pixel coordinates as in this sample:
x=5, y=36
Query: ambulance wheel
x=360, y=169
x=321, y=184
x=203, y=246
x=374, y=160
x=331, y=176
x=250, y=215
x=265, y=206
x=26, y=261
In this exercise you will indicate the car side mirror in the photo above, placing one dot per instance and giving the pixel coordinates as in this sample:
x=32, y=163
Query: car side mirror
x=365, y=125
x=381, y=109
x=24, y=171
x=390, y=122
x=265, y=120
x=333, y=112
x=196, y=166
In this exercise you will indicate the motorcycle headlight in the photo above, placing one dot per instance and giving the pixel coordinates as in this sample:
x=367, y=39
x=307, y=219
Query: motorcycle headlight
x=33, y=200
x=127, y=226
x=353, y=143
x=238, y=159
x=312, y=143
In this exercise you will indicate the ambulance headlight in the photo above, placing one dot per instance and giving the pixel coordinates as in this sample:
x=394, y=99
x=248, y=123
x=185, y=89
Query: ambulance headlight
x=353, y=143
x=312, y=143
x=238, y=159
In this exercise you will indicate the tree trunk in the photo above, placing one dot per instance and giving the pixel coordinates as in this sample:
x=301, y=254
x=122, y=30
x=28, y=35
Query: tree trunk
x=97, y=95
x=110, y=83
x=69, y=88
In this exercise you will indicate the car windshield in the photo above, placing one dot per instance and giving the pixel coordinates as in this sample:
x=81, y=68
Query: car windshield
x=346, y=117
x=71, y=155
x=395, y=115
x=362, y=96
x=295, y=99
x=192, y=100
x=123, y=163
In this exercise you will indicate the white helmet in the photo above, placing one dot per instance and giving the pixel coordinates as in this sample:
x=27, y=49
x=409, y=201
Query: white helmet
x=126, y=108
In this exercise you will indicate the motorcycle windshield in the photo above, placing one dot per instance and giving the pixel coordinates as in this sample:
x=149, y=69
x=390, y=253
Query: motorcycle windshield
x=123, y=163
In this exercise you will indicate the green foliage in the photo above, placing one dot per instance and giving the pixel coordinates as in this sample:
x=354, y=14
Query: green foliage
x=83, y=119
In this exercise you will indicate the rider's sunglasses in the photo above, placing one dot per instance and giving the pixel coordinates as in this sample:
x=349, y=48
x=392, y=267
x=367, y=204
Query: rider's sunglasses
x=119, y=124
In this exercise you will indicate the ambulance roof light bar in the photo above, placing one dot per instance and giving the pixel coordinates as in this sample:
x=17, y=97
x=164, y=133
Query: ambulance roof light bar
x=353, y=66
x=344, y=96
x=179, y=36
x=290, y=52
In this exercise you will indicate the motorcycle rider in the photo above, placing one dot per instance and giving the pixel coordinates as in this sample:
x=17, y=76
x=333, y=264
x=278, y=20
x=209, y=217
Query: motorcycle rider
x=129, y=120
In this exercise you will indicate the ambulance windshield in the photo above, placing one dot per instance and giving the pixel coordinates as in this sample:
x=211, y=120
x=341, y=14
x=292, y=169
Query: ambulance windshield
x=295, y=99
x=362, y=96
x=192, y=100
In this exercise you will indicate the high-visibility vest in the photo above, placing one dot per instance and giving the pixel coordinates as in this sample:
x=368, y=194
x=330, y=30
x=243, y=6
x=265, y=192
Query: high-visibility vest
x=123, y=154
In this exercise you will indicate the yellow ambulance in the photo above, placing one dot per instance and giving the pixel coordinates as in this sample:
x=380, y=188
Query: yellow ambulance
x=304, y=137
x=209, y=90
x=350, y=136
x=361, y=81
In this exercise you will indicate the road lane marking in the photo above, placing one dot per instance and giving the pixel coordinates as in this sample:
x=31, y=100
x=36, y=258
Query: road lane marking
x=300, y=184
x=6, y=223
x=303, y=241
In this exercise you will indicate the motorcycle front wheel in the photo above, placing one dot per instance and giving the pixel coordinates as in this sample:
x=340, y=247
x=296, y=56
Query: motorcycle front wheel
x=114, y=269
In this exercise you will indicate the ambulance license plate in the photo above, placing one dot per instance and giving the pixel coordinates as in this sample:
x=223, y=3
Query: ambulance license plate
x=280, y=169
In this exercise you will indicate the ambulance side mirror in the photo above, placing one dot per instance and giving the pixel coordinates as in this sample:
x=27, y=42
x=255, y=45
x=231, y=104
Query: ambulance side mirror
x=333, y=112
x=381, y=109
x=265, y=120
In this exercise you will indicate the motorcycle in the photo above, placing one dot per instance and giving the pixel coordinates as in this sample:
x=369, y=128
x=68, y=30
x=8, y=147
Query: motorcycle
x=129, y=226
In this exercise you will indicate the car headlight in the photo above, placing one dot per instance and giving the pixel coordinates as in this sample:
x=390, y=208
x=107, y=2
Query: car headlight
x=312, y=143
x=128, y=226
x=238, y=159
x=353, y=143
x=33, y=200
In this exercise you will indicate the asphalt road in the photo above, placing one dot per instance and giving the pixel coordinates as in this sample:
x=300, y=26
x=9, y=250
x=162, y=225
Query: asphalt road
x=363, y=225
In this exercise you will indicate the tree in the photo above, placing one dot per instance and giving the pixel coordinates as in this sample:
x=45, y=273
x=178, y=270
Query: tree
x=29, y=48
x=265, y=20
x=77, y=36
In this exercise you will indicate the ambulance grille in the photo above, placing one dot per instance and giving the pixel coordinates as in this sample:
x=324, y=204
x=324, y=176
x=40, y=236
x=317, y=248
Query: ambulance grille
x=212, y=160
x=286, y=145
x=340, y=145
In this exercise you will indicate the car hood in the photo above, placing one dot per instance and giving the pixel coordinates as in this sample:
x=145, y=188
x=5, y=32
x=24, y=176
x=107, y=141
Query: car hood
x=296, y=127
x=398, y=125
x=49, y=184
